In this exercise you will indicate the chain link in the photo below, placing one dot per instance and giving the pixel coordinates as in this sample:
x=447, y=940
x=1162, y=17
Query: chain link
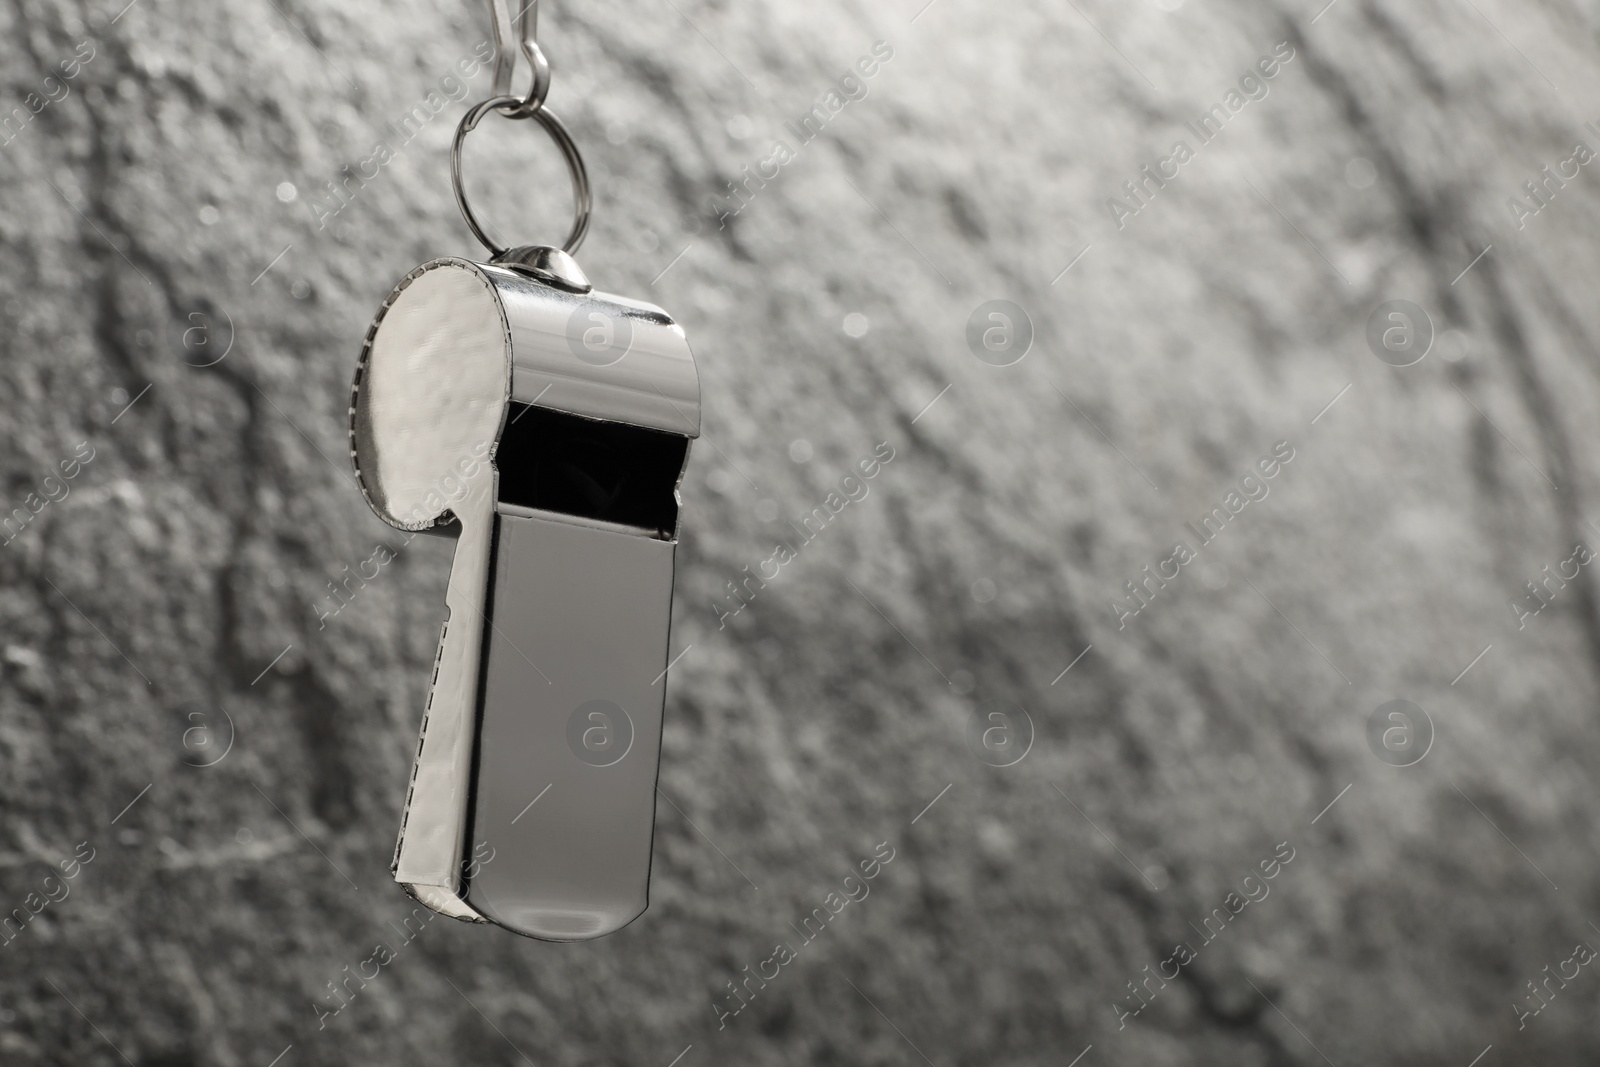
x=514, y=34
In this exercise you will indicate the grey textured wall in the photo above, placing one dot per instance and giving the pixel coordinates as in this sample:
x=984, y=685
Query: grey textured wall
x=167, y=203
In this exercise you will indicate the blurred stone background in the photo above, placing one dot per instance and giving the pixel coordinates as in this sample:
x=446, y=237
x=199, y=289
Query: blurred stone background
x=178, y=309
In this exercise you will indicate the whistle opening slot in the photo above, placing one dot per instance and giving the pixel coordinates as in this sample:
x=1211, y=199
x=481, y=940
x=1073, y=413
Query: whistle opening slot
x=591, y=469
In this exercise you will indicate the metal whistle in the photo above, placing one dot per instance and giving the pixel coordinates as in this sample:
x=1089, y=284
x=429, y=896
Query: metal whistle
x=545, y=426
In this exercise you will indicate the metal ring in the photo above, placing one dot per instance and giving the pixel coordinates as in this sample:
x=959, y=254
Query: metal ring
x=507, y=105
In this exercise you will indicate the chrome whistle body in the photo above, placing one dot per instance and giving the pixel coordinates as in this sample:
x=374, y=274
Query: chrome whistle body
x=546, y=428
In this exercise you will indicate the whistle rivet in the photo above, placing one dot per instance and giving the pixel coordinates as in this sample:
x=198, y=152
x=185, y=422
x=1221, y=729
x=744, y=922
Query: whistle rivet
x=550, y=265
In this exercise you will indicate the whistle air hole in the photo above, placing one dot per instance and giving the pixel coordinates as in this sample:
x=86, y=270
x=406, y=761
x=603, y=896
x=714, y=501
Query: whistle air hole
x=590, y=469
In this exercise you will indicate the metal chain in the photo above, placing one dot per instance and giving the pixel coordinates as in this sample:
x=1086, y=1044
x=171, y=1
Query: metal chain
x=514, y=34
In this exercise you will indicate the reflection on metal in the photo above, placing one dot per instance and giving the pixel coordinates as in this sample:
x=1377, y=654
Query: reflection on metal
x=546, y=430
